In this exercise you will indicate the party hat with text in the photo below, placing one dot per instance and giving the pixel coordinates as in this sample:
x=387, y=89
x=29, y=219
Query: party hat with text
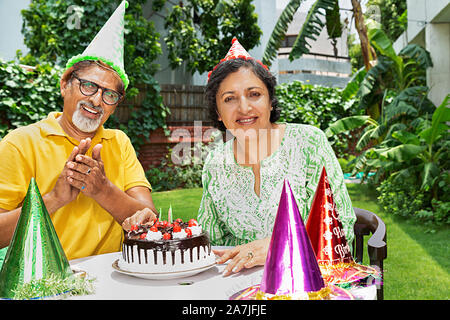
x=328, y=239
x=291, y=271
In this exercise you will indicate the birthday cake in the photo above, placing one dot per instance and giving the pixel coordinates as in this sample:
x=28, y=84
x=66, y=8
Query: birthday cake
x=166, y=247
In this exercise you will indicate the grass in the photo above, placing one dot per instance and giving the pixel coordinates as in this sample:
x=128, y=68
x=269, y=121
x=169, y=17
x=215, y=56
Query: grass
x=184, y=202
x=417, y=266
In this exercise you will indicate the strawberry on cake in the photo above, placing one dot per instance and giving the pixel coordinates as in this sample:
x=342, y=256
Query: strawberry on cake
x=166, y=247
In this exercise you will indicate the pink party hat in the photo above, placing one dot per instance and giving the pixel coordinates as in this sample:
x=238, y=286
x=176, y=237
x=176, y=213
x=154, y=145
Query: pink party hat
x=236, y=51
x=291, y=270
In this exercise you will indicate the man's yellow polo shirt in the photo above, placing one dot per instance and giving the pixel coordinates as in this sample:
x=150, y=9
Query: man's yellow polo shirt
x=41, y=150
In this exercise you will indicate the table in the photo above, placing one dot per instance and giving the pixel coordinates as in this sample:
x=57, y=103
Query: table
x=208, y=285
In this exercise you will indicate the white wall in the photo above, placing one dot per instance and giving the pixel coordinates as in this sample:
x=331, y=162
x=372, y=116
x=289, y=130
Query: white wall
x=11, y=38
x=429, y=27
x=437, y=39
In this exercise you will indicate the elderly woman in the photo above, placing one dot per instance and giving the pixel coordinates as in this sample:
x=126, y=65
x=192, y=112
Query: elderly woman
x=243, y=177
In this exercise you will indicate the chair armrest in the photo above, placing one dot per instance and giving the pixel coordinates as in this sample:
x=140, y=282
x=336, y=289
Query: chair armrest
x=376, y=244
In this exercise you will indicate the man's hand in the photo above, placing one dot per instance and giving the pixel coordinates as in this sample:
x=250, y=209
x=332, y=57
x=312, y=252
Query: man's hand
x=88, y=174
x=144, y=216
x=63, y=193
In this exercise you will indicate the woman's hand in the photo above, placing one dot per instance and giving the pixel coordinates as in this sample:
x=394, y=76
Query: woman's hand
x=144, y=216
x=244, y=256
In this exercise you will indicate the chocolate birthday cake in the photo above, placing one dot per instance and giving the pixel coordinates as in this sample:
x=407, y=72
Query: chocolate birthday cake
x=166, y=247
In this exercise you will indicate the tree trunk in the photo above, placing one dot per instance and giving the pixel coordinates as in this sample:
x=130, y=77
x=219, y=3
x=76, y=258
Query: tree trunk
x=367, y=51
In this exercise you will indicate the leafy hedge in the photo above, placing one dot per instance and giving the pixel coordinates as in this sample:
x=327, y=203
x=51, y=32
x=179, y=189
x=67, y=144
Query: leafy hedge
x=27, y=96
x=317, y=106
x=312, y=104
x=54, y=31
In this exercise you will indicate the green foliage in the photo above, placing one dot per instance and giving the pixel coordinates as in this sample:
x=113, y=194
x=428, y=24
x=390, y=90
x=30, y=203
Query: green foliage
x=310, y=30
x=408, y=151
x=54, y=31
x=394, y=73
x=396, y=84
x=27, y=96
x=185, y=173
x=425, y=151
x=401, y=197
x=393, y=15
x=311, y=104
x=168, y=177
x=279, y=31
x=315, y=105
x=200, y=31
x=333, y=21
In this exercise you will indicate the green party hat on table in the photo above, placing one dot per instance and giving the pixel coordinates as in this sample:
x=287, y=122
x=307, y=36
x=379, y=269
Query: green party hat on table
x=107, y=45
x=35, y=253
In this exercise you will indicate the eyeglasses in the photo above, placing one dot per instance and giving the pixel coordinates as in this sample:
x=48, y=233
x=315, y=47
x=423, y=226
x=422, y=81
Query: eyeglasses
x=89, y=88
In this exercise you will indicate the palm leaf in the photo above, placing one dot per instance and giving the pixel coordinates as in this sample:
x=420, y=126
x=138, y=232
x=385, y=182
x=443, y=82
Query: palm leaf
x=311, y=28
x=346, y=124
x=353, y=85
x=401, y=153
x=382, y=43
x=359, y=163
x=404, y=174
x=279, y=31
x=398, y=126
x=407, y=102
x=400, y=109
x=364, y=140
x=368, y=89
x=438, y=123
x=430, y=171
x=406, y=137
x=417, y=53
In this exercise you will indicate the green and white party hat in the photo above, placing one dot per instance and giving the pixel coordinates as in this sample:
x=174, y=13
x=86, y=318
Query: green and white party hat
x=35, y=265
x=107, y=45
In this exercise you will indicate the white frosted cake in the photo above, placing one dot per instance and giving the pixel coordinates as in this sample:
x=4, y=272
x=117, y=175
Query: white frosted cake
x=165, y=247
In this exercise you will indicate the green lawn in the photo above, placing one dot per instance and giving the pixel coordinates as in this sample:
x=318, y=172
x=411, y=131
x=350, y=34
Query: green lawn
x=417, y=266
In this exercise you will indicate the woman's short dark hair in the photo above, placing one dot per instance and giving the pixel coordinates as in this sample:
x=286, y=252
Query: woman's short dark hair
x=230, y=66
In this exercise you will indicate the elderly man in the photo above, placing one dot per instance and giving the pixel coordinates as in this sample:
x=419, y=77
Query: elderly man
x=90, y=178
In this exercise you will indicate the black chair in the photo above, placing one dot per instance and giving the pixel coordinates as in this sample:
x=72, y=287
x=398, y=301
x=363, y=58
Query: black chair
x=369, y=223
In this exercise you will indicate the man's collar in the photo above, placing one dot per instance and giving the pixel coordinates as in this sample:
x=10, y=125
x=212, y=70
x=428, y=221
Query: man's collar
x=51, y=126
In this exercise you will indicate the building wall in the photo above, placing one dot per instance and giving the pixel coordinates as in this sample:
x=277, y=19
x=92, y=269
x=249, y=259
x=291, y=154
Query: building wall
x=437, y=39
x=320, y=66
x=429, y=27
x=11, y=38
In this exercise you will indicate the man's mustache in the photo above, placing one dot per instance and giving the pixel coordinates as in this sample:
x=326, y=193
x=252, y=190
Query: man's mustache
x=90, y=105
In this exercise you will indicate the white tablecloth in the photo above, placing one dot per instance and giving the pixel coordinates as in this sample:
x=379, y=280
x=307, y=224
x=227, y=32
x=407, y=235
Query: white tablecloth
x=208, y=285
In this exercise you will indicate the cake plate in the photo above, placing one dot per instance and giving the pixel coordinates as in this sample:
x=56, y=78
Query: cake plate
x=162, y=275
